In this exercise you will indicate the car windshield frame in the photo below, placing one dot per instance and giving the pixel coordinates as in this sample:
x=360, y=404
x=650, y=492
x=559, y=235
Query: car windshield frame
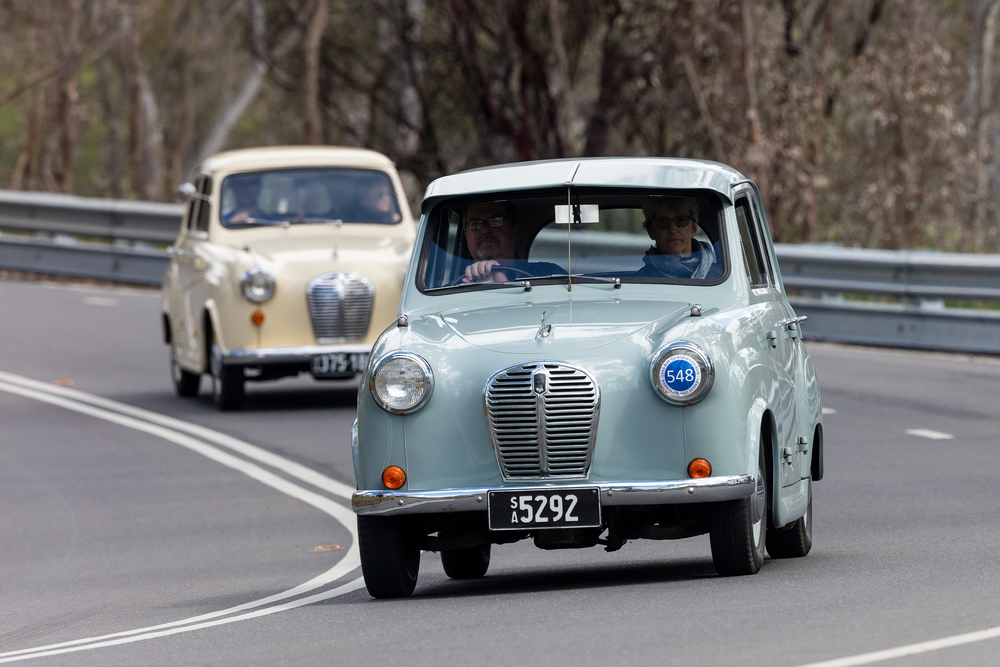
x=350, y=209
x=711, y=204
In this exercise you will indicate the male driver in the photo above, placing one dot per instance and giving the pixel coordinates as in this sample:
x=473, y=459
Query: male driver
x=491, y=234
x=246, y=190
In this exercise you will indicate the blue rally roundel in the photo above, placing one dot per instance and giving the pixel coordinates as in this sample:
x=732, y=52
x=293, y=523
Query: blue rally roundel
x=681, y=375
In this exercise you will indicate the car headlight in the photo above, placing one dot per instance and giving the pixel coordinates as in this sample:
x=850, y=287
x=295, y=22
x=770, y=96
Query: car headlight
x=401, y=382
x=682, y=374
x=257, y=285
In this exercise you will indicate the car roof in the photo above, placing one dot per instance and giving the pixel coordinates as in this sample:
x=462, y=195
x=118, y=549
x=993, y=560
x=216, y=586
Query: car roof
x=283, y=157
x=641, y=172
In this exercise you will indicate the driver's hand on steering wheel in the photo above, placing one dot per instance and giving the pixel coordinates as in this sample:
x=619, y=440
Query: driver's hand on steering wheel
x=484, y=271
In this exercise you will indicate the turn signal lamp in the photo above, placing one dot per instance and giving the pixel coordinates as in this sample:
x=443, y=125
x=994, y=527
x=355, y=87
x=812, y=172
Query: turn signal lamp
x=257, y=318
x=393, y=477
x=699, y=468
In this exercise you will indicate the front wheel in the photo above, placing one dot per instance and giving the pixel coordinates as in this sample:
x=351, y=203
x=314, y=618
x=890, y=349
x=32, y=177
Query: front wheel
x=470, y=563
x=390, y=560
x=738, y=528
x=185, y=383
x=794, y=540
x=227, y=383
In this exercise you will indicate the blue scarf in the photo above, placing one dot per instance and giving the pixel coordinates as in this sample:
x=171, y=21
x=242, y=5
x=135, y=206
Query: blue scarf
x=696, y=265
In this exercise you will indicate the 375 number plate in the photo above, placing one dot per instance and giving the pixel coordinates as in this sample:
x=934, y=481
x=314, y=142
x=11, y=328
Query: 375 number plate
x=536, y=508
x=338, y=364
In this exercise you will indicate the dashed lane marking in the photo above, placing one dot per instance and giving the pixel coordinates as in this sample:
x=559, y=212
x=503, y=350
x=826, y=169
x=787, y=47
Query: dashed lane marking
x=929, y=434
x=910, y=649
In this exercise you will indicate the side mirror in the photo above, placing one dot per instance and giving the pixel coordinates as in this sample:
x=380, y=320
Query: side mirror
x=187, y=190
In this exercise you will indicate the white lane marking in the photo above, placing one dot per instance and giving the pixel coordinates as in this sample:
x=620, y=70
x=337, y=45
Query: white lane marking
x=927, y=433
x=99, y=301
x=347, y=564
x=292, y=468
x=829, y=411
x=911, y=649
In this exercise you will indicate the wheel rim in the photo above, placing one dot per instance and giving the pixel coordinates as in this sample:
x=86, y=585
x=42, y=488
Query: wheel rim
x=175, y=368
x=757, y=504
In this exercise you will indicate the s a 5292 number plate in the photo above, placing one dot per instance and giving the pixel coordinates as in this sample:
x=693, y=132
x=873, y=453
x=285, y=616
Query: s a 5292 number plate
x=545, y=508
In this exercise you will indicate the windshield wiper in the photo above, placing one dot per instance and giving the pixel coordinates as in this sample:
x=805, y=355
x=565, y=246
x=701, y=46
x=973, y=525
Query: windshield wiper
x=508, y=283
x=617, y=282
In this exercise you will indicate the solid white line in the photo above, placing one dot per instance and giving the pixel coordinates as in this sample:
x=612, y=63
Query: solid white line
x=829, y=411
x=347, y=564
x=927, y=433
x=911, y=649
x=292, y=468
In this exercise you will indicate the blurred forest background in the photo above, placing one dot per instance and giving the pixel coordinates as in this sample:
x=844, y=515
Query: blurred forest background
x=872, y=123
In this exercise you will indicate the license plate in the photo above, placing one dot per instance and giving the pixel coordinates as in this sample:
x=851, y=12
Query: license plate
x=536, y=508
x=334, y=364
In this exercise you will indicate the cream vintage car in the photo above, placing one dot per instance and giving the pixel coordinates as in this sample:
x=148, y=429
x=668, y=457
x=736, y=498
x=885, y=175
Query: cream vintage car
x=289, y=260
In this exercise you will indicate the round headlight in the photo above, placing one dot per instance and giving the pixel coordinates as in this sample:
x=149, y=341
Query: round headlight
x=401, y=382
x=682, y=374
x=257, y=285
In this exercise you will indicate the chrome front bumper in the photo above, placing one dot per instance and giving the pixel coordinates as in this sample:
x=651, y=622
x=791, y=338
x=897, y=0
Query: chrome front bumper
x=707, y=490
x=286, y=355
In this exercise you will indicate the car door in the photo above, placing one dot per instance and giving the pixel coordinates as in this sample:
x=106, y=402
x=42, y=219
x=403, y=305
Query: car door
x=793, y=352
x=191, y=276
x=770, y=309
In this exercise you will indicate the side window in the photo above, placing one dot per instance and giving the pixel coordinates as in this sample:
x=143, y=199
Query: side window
x=765, y=237
x=753, y=255
x=205, y=210
x=195, y=205
x=189, y=214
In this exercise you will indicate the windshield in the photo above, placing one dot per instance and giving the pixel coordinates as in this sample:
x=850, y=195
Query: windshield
x=657, y=236
x=294, y=196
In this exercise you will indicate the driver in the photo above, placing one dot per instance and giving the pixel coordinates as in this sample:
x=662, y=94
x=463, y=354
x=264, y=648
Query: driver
x=246, y=190
x=491, y=234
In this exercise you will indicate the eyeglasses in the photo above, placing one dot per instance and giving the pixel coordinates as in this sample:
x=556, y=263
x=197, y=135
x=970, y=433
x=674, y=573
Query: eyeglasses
x=476, y=225
x=680, y=222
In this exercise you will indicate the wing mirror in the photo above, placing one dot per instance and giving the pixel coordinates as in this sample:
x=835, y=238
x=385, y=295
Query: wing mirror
x=187, y=190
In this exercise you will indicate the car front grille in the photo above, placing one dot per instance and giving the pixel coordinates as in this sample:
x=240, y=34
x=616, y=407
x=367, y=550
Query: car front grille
x=340, y=306
x=543, y=427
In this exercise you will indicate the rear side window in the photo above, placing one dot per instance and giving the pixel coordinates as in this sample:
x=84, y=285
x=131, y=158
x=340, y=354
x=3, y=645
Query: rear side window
x=753, y=256
x=205, y=210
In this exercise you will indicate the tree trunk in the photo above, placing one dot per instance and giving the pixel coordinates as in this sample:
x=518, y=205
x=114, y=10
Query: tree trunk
x=312, y=122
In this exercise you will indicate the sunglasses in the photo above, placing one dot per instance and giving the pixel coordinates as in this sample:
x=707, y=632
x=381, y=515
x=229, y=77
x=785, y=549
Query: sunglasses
x=476, y=225
x=680, y=222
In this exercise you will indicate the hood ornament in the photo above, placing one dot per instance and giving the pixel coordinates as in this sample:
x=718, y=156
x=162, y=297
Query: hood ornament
x=545, y=329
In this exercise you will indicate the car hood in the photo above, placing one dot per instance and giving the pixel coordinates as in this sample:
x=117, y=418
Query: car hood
x=323, y=249
x=575, y=326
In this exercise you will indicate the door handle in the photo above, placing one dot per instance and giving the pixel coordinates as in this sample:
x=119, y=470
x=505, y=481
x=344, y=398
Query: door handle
x=178, y=252
x=789, y=321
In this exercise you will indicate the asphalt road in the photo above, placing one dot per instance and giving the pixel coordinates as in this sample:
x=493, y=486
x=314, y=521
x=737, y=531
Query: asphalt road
x=131, y=539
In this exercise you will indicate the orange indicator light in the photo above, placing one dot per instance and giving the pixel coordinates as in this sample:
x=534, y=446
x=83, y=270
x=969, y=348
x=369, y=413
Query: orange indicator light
x=393, y=477
x=699, y=468
x=257, y=318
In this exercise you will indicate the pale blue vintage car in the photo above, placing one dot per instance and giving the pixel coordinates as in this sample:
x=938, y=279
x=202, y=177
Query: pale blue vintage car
x=587, y=352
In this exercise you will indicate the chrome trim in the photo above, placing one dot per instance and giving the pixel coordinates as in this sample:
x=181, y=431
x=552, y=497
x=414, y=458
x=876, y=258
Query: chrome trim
x=705, y=366
x=253, y=271
x=671, y=492
x=522, y=438
x=346, y=317
x=285, y=355
x=419, y=361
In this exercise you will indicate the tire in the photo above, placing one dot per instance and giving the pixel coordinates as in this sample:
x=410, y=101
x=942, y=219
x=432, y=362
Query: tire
x=185, y=383
x=390, y=560
x=469, y=563
x=795, y=539
x=738, y=528
x=227, y=383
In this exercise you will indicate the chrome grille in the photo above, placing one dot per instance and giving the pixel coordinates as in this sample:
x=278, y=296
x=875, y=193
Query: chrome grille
x=543, y=428
x=340, y=306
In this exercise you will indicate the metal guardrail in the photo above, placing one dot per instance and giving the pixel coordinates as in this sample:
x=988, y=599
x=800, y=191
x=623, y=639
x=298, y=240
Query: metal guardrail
x=117, y=240
x=106, y=239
